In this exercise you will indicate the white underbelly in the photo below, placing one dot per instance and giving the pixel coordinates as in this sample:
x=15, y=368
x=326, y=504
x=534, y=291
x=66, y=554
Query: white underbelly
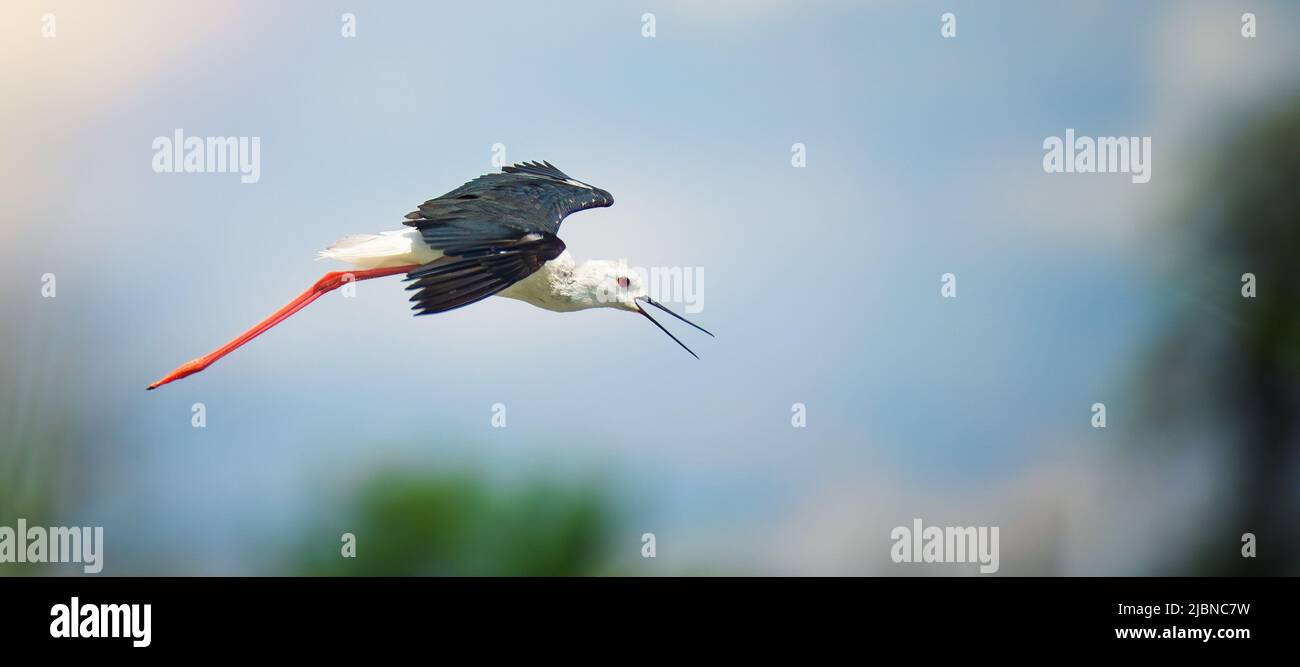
x=544, y=288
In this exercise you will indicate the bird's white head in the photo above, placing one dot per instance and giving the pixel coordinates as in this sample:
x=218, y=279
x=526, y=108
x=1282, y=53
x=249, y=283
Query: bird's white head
x=604, y=283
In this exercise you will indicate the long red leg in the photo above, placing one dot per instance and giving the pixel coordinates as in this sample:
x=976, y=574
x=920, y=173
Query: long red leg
x=328, y=282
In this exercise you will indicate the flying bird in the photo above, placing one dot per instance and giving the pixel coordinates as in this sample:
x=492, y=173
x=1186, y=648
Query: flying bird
x=495, y=235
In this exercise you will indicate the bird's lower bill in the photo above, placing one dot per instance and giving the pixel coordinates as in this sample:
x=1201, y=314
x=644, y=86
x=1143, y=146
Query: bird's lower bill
x=636, y=303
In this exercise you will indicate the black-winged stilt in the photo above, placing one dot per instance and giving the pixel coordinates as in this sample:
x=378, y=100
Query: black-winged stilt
x=493, y=235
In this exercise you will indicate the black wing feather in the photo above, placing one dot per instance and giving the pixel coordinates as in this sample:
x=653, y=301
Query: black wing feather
x=452, y=281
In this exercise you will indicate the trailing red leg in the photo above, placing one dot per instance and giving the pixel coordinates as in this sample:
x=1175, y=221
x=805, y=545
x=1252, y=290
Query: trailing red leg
x=328, y=282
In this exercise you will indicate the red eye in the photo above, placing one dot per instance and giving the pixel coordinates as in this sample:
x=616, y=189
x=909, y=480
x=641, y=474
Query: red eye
x=622, y=282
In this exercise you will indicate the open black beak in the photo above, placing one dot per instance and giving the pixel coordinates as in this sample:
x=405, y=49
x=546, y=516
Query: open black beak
x=660, y=306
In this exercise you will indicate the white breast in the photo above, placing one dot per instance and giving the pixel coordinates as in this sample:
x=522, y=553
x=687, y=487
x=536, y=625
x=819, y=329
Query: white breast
x=549, y=287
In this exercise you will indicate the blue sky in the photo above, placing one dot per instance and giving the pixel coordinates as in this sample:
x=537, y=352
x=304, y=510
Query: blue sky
x=822, y=283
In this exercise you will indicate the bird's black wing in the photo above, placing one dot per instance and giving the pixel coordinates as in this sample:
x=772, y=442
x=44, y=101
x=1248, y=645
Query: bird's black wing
x=453, y=281
x=493, y=232
x=522, y=199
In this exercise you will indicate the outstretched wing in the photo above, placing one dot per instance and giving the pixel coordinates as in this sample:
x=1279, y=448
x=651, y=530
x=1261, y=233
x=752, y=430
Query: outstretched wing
x=523, y=199
x=493, y=232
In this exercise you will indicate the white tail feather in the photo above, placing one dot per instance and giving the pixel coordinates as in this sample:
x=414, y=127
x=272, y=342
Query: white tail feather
x=371, y=251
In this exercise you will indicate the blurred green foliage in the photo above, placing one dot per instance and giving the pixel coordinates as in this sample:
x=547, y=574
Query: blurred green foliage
x=38, y=444
x=1228, y=368
x=458, y=524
